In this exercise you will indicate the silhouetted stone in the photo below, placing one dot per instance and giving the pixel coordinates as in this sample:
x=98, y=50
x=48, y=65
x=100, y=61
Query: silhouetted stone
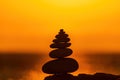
x=61, y=35
x=98, y=76
x=60, y=45
x=61, y=31
x=61, y=40
x=60, y=53
x=63, y=65
x=61, y=77
x=103, y=76
x=85, y=77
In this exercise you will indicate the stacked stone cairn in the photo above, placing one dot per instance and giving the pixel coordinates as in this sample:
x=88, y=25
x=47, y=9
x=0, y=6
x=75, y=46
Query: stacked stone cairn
x=61, y=66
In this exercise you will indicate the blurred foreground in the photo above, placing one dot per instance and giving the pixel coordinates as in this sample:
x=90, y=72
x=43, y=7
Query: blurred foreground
x=27, y=66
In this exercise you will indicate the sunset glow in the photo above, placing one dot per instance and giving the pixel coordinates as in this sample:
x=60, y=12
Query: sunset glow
x=69, y=3
x=27, y=23
x=30, y=25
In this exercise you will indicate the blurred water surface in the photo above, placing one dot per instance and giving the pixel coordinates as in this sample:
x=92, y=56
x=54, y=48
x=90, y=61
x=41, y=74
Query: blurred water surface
x=22, y=66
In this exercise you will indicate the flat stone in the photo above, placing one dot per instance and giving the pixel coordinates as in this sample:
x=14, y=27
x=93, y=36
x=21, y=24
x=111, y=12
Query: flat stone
x=60, y=53
x=61, y=40
x=60, y=45
x=61, y=31
x=63, y=65
x=61, y=36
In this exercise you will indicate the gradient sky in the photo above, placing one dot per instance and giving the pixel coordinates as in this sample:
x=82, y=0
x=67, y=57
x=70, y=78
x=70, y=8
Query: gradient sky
x=32, y=24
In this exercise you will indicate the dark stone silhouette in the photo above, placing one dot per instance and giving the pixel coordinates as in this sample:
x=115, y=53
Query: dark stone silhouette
x=98, y=76
x=61, y=66
x=61, y=77
x=59, y=53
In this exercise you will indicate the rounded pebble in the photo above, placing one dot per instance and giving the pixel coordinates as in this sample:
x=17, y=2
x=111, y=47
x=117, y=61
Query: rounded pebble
x=61, y=36
x=63, y=65
x=60, y=53
x=60, y=45
x=61, y=40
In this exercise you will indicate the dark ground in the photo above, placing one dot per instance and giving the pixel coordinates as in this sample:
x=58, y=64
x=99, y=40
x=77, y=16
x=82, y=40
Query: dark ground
x=15, y=65
x=97, y=76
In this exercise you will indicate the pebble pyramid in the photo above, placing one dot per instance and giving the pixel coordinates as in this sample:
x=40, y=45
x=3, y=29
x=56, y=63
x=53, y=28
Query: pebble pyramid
x=60, y=64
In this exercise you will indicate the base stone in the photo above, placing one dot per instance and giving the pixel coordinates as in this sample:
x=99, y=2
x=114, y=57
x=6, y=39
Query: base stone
x=61, y=77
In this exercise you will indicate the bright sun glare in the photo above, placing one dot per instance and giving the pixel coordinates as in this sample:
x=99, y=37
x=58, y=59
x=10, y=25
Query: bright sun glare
x=69, y=2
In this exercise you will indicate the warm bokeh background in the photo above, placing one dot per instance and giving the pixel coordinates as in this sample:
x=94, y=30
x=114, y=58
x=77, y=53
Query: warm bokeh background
x=30, y=25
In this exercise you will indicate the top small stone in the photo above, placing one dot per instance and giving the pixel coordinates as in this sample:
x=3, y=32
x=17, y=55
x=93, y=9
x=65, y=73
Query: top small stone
x=61, y=31
x=61, y=34
x=61, y=41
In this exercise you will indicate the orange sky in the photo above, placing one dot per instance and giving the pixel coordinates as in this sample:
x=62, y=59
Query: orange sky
x=32, y=24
